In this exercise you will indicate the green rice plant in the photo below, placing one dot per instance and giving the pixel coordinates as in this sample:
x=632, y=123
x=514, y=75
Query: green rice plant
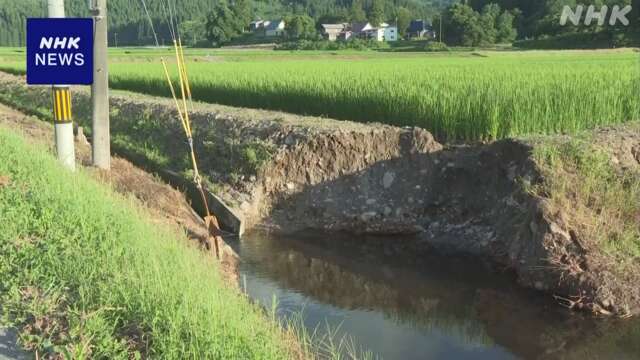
x=457, y=97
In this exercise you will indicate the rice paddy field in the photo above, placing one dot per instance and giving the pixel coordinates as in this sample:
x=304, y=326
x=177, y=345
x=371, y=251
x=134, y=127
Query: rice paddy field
x=459, y=96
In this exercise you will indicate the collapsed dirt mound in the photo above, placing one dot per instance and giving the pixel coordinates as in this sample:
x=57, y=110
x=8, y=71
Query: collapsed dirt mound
x=291, y=173
x=486, y=200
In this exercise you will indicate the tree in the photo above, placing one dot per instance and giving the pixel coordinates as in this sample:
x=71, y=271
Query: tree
x=193, y=31
x=467, y=27
x=225, y=23
x=506, y=33
x=357, y=14
x=487, y=20
x=221, y=25
x=376, y=12
x=243, y=14
x=403, y=19
x=300, y=27
x=463, y=26
x=333, y=18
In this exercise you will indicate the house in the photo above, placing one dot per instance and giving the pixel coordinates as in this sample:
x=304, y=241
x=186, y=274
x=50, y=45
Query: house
x=345, y=35
x=383, y=32
x=274, y=28
x=420, y=29
x=376, y=34
x=365, y=30
x=391, y=33
x=256, y=25
x=360, y=29
x=332, y=31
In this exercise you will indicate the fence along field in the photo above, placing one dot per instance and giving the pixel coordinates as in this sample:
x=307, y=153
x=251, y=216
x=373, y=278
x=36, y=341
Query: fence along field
x=480, y=96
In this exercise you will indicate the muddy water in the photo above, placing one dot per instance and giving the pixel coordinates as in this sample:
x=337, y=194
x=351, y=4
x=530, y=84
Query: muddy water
x=420, y=307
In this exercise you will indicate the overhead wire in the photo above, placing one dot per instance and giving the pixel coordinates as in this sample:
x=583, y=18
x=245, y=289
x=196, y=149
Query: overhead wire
x=153, y=30
x=183, y=111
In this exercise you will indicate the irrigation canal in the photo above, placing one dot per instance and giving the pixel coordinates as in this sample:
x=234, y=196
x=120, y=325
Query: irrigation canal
x=421, y=308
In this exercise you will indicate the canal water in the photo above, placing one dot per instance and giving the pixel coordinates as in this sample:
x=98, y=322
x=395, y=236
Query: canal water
x=422, y=306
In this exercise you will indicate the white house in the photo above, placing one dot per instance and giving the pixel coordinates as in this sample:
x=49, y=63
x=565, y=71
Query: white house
x=363, y=30
x=376, y=34
x=391, y=33
x=332, y=31
x=274, y=28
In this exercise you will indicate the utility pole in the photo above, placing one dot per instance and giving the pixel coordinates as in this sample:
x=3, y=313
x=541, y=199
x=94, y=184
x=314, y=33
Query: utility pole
x=101, y=141
x=440, y=34
x=440, y=25
x=61, y=95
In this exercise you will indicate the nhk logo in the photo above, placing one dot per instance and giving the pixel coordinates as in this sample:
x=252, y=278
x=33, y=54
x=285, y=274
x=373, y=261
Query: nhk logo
x=56, y=58
x=575, y=15
x=59, y=51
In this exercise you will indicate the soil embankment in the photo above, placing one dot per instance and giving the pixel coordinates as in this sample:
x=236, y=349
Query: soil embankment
x=291, y=173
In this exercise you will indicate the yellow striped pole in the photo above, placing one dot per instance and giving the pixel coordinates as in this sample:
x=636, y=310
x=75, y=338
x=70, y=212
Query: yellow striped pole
x=63, y=121
x=62, y=116
x=62, y=105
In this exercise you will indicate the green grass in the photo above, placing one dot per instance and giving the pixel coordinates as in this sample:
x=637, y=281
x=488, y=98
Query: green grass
x=604, y=200
x=82, y=274
x=457, y=96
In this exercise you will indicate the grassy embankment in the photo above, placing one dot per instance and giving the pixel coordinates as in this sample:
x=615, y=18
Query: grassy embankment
x=83, y=274
x=597, y=197
x=460, y=96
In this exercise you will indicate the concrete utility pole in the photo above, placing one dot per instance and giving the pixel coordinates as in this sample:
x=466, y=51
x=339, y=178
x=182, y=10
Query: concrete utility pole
x=440, y=34
x=100, y=89
x=61, y=95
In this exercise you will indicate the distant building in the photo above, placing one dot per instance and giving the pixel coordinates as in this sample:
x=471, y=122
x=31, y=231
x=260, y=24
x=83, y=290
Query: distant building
x=383, y=32
x=376, y=34
x=420, y=29
x=365, y=30
x=256, y=25
x=391, y=33
x=360, y=29
x=274, y=28
x=345, y=35
x=332, y=31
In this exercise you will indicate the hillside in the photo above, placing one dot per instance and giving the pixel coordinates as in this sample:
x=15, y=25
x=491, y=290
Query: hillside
x=126, y=18
x=128, y=23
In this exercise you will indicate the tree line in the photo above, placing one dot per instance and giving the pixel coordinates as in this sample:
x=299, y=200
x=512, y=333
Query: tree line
x=128, y=23
x=469, y=22
x=202, y=22
x=462, y=22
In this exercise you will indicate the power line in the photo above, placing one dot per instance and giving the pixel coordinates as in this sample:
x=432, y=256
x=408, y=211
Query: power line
x=153, y=30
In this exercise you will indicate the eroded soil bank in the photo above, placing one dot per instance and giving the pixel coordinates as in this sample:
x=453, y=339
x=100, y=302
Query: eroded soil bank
x=502, y=201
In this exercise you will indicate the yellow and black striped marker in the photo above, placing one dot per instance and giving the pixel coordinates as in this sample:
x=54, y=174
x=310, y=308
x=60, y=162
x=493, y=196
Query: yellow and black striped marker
x=62, y=105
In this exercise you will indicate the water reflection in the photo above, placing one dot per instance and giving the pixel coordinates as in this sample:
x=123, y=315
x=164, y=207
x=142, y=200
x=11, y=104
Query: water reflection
x=420, y=307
